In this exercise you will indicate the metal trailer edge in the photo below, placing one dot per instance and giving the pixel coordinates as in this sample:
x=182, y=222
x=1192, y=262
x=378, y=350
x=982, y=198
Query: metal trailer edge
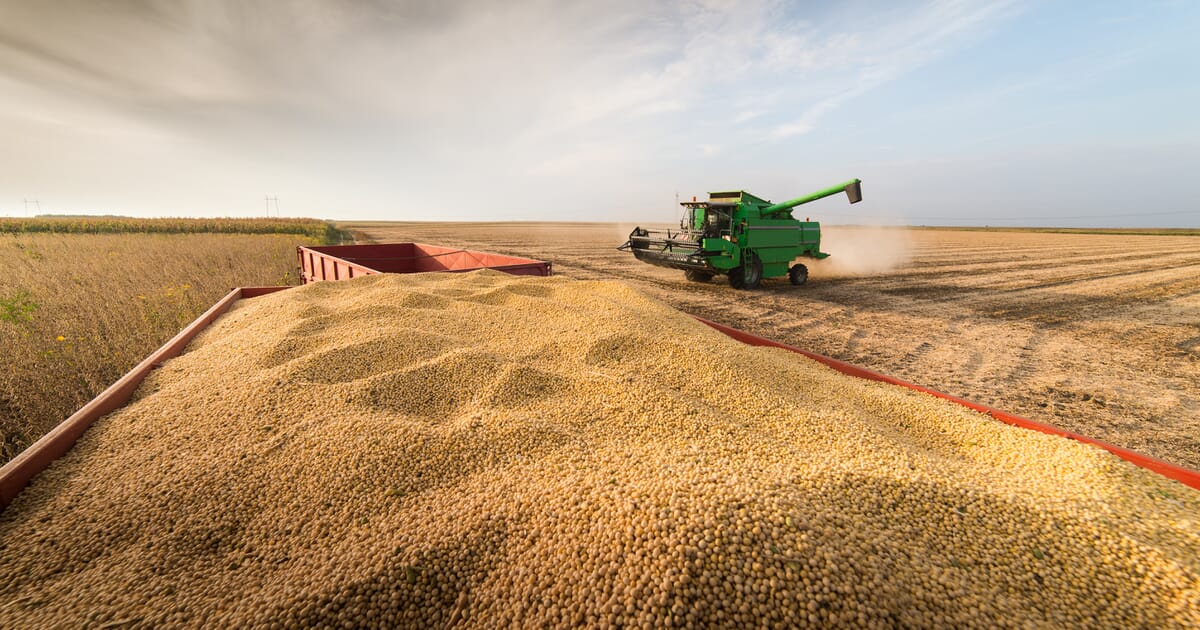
x=344, y=262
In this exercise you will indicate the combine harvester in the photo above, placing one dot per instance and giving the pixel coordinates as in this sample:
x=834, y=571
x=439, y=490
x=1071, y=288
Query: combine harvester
x=739, y=235
x=350, y=261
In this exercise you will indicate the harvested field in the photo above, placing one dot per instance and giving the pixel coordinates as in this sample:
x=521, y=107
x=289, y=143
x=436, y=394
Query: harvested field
x=1095, y=333
x=486, y=450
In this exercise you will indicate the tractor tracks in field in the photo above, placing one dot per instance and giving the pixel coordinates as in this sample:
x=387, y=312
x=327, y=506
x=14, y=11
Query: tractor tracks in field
x=1190, y=346
x=1059, y=307
x=853, y=340
x=975, y=281
x=1028, y=360
x=1049, y=300
x=1083, y=277
x=913, y=356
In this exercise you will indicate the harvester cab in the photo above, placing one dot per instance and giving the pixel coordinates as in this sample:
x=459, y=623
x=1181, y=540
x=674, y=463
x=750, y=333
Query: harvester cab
x=738, y=235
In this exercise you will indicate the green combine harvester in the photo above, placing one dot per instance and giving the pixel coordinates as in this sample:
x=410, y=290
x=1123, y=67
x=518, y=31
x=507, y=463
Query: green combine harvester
x=739, y=235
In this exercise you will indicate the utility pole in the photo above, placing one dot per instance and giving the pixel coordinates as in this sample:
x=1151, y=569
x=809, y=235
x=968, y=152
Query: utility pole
x=35, y=202
x=269, y=199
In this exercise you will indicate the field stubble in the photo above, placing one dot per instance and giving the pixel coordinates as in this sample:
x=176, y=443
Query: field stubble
x=79, y=310
x=1094, y=333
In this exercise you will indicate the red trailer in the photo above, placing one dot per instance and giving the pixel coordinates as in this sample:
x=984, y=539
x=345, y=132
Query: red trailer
x=16, y=474
x=342, y=262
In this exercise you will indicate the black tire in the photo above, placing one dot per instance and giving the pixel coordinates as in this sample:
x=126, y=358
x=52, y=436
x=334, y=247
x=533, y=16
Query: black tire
x=798, y=274
x=747, y=276
x=735, y=278
x=697, y=276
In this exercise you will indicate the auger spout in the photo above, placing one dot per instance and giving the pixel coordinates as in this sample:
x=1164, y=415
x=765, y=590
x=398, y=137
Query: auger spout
x=852, y=188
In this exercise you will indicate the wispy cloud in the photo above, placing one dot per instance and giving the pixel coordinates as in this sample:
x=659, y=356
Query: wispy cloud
x=891, y=45
x=425, y=95
x=793, y=129
x=743, y=116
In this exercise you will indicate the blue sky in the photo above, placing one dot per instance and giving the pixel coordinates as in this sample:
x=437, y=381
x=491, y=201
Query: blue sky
x=952, y=113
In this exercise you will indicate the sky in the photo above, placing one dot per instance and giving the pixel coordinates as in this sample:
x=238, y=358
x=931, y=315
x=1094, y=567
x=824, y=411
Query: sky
x=952, y=113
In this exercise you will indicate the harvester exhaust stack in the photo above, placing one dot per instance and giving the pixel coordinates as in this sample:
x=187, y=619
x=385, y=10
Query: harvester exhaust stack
x=740, y=235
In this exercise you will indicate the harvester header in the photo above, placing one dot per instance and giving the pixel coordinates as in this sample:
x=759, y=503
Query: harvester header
x=739, y=235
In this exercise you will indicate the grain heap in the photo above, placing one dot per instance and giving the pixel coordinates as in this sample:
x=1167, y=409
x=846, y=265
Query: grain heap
x=486, y=450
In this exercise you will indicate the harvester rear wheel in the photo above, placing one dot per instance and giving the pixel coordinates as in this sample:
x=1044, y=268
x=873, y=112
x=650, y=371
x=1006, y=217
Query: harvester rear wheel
x=748, y=275
x=798, y=274
x=697, y=276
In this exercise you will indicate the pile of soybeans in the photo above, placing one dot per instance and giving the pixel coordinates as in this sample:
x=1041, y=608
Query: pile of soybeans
x=491, y=451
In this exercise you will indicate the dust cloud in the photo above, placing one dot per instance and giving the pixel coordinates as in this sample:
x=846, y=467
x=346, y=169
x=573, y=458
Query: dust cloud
x=862, y=250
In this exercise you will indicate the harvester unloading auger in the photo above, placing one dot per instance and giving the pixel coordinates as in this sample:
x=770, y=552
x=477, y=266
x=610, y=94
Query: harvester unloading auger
x=739, y=235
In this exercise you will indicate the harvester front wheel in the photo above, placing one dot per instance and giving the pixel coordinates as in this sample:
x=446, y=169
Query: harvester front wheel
x=697, y=276
x=748, y=275
x=798, y=274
